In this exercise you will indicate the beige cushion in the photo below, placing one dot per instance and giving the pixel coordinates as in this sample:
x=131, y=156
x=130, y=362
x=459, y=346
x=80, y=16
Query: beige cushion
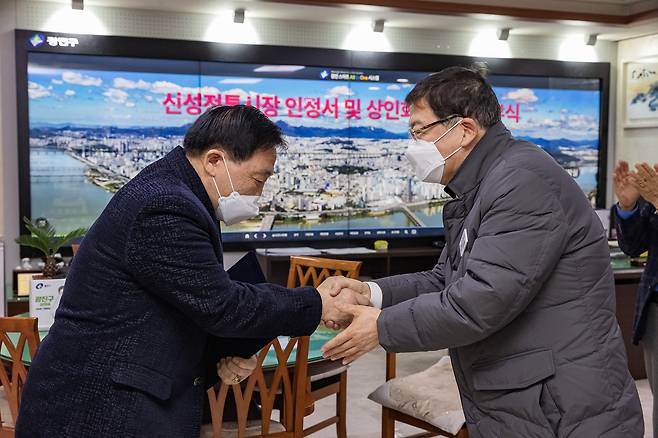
x=431, y=395
x=230, y=429
x=5, y=411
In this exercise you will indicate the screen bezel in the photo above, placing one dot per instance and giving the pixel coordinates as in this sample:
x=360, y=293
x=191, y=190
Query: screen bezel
x=269, y=54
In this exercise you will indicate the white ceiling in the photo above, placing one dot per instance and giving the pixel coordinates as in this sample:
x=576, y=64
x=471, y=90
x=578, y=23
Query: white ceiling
x=473, y=22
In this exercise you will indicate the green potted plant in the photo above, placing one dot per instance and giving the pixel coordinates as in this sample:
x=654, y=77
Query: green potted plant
x=43, y=237
x=46, y=288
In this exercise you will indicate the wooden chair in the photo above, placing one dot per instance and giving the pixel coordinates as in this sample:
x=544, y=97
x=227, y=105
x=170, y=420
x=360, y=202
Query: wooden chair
x=390, y=416
x=282, y=381
x=304, y=270
x=14, y=373
x=310, y=270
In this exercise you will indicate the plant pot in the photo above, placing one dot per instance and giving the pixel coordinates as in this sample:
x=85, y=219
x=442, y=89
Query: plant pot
x=44, y=299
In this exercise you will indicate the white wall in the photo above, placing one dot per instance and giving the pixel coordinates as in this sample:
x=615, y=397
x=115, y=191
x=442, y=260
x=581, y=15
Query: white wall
x=116, y=21
x=635, y=144
x=8, y=149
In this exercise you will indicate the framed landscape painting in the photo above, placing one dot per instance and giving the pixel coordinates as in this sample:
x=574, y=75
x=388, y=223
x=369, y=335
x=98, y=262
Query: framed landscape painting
x=641, y=94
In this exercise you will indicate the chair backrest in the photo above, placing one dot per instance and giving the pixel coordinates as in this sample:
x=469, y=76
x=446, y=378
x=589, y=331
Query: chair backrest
x=315, y=270
x=15, y=332
x=289, y=383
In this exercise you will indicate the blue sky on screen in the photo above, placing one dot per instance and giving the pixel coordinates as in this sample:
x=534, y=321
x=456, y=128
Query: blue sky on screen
x=133, y=99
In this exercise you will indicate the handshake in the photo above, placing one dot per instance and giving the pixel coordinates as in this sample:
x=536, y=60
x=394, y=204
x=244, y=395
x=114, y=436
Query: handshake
x=340, y=298
x=345, y=304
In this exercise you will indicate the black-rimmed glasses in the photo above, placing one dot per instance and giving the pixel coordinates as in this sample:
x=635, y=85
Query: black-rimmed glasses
x=415, y=133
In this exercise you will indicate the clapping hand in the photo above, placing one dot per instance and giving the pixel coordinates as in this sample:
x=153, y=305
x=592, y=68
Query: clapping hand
x=645, y=182
x=626, y=186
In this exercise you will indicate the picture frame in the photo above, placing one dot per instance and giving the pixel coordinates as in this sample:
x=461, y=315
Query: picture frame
x=640, y=93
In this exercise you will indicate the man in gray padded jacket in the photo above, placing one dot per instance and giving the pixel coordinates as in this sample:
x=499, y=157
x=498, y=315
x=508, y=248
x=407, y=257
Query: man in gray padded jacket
x=523, y=293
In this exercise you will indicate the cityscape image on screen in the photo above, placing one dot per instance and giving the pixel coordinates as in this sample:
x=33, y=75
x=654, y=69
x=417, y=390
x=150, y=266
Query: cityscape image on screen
x=95, y=122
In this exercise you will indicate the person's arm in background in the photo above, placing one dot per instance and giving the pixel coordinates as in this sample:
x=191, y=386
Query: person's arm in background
x=632, y=229
x=172, y=257
x=632, y=213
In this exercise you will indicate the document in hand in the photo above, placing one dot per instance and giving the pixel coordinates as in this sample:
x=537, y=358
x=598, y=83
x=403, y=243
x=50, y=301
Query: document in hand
x=247, y=270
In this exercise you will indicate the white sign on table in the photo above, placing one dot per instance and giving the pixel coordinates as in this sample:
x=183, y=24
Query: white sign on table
x=44, y=299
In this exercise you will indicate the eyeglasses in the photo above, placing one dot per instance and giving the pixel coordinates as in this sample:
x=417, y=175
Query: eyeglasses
x=415, y=133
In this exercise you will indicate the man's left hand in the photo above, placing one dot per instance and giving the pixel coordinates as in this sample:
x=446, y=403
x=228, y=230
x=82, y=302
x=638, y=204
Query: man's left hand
x=233, y=370
x=359, y=338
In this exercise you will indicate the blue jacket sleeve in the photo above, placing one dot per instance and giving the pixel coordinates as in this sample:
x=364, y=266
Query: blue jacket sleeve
x=171, y=255
x=633, y=232
x=623, y=214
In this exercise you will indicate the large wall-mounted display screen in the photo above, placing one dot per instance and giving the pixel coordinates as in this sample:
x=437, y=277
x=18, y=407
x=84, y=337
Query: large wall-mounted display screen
x=96, y=121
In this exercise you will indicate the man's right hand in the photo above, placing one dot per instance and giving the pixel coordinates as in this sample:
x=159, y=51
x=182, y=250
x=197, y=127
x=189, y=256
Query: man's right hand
x=341, y=289
x=337, y=284
x=333, y=292
x=627, y=194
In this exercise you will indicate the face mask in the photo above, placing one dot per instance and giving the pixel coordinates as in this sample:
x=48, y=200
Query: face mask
x=235, y=207
x=426, y=160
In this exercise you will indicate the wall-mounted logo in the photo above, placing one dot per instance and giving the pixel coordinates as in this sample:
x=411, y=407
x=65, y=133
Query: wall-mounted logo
x=53, y=41
x=39, y=286
x=37, y=39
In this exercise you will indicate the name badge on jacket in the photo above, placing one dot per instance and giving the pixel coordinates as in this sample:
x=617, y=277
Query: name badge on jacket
x=463, y=242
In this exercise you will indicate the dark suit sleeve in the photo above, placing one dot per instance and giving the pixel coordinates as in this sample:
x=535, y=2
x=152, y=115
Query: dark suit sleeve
x=633, y=233
x=171, y=255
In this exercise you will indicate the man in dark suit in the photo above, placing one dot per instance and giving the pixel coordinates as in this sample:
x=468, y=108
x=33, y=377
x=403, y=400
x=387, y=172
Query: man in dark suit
x=147, y=294
x=637, y=231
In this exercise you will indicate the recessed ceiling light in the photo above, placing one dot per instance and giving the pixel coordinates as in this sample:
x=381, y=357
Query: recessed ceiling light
x=503, y=34
x=243, y=81
x=278, y=68
x=378, y=26
x=238, y=16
